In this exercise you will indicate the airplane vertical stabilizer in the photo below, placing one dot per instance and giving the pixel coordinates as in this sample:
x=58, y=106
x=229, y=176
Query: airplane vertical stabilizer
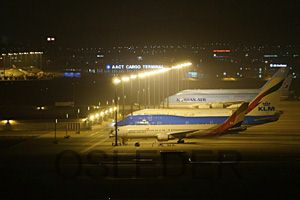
x=235, y=120
x=267, y=101
x=285, y=89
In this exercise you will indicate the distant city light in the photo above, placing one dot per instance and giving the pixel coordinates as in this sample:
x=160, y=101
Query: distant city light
x=23, y=53
x=221, y=51
x=271, y=56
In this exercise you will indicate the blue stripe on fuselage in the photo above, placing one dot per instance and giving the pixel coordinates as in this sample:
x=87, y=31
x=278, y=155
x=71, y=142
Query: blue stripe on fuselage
x=172, y=119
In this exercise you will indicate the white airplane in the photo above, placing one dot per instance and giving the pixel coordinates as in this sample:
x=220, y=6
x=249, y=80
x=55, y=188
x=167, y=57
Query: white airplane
x=222, y=98
x=168, y=129
x=166, y=124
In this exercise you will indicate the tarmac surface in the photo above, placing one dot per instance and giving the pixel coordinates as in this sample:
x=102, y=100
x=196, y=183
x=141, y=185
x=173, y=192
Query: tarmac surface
x=261, y=162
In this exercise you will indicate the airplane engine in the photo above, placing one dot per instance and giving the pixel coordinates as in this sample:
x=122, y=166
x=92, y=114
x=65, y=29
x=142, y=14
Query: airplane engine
x=217, y=105
x=162, y=137
x=202, y=106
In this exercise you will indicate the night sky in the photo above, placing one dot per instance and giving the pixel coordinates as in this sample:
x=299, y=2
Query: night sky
x=100, y=23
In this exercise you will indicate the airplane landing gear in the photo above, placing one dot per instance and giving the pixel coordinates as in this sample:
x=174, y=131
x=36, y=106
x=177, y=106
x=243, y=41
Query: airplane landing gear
x=136, y=144
x=180, y=141
x=124, y=141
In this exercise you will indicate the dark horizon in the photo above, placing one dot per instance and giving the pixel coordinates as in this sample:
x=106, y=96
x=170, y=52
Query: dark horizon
x=102, y=23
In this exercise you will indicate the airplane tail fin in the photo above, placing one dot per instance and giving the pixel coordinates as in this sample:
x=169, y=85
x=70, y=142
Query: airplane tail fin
x=235, y=120
x=267, y=100
x=286, y=87
x=280, y=73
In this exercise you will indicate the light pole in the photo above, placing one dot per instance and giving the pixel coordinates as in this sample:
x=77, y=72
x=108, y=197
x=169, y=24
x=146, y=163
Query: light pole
x=130, y=97
x=78, y=123
x=116, y=81
x=154, y=100
x=148, y=89
x=132, y=77
x=124, y=79
x=145, y=93
x=178, y=83
x=67, y=117
x=163, y=89
x=138, y=94
x=158, y=92
x=140, y=97
x=168, y=89
x=116, y=118
x=4, y=63
x=123, y=100
x=55, y=123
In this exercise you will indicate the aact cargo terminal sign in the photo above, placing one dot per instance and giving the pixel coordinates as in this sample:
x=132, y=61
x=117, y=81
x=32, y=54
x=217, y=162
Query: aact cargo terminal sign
x=131, y=67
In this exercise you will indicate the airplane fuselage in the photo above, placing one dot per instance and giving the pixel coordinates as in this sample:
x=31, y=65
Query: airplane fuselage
x=154, y=131
x=153, y=119
x=210, y=97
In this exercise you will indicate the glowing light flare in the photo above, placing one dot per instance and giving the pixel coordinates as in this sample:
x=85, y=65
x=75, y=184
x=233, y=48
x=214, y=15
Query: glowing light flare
x=116, y=81
x=148, y=74
x=133, y=76
x=164, y=70
x=8, y=122
x=141, y=75
x=125, y=79
x=92, y=117
x=182, y=65
x=151, y=73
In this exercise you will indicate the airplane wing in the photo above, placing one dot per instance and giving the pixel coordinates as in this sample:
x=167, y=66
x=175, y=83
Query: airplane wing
x=182, y=134
x=235, y=120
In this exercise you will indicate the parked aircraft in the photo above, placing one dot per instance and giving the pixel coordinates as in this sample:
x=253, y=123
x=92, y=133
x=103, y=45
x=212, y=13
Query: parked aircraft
x=165, y=124
x=222, y=98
